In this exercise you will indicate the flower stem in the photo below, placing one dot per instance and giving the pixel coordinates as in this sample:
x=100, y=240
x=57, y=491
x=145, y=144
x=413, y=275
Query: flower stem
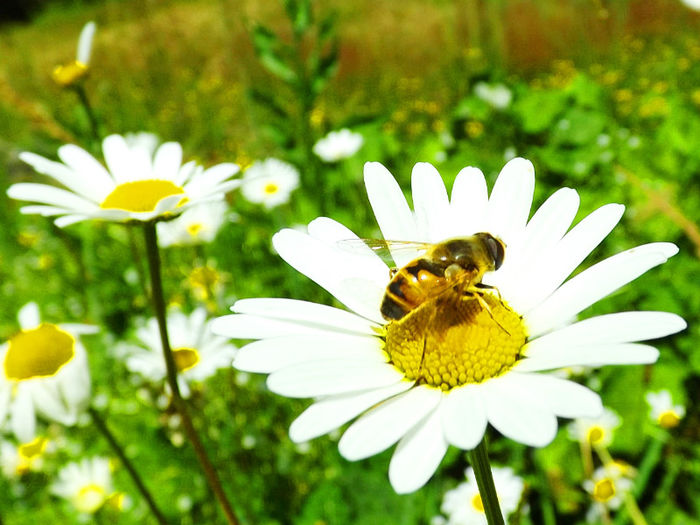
x=119, y=451
x=158, y=299
x=482, y=469
x=85, y=102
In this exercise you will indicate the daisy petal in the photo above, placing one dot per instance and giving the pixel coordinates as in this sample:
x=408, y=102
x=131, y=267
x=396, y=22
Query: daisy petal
x=44, y=211
x=517, y=414
x=269, y=355
x=45, y=194
x=243, y=326
x=565, y=398
x=332, y=412
x=91, y=178
x=67, y=220
x=417, y=456
x=167, y=160
x=511, y=198
x=593, y=284
x=594, y=355
x=116, y=154
x=463, y=417
x=430, y=202
x=85, y=43
x=23, y=417
x=384, y=425
x=330, y=377
x=28, y=316
x=468, y=203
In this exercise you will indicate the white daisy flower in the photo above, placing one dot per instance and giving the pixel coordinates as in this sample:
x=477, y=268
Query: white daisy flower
x=463, y=505
x=197, y=351
x=596, y=431
x=427, y=381
x=69, y=74
x=138, y=185
x=269, y=182
x=692, y=4
x=44, y=373
x=662, y=411
x=338, y=145
x=497, y=96
x=86, y=484
x=609, y=484
x=16, y=460
x=197, y=225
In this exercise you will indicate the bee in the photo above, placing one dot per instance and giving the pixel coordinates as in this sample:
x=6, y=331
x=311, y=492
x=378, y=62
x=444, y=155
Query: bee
x=457, y=264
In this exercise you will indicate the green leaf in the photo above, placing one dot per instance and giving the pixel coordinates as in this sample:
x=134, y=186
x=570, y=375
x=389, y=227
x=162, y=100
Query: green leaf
x=537, y=109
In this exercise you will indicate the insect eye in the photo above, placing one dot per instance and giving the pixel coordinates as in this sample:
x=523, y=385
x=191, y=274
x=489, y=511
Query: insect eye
x=496, y=250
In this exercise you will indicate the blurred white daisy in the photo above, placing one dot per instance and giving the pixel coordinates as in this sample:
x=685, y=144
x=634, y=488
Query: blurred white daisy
x=662, y=411
x=16, y=460
x=197, y=225
x=463, y=505
x=692, y=4
x=609, y=485
x=595, y=431
x=198, y=352
x=138, y=184
x=269, y=182
x=338, y=145
x=44, y=373
x=425, y=384
x=86, y=484
x=497, y=96
x=70, y=73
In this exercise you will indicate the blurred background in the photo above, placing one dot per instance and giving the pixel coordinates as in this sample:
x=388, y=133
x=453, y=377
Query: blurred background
x=602, y=96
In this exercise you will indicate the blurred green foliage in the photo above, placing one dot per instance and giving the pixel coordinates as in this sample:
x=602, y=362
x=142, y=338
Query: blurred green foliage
x=238, y=83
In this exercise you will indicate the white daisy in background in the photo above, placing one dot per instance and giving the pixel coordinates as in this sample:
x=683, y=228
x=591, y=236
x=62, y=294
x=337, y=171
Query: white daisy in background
x=68, y=74
x=197, y=225
x=692, y=4
x=498, y=96
x=596, y=431
x=269, y=182
x=138, y=185
x=86, y=484
x=197, y=351
x=16, y=460
x=44, y=372
x=609, y=485
x=463, y=505
x=429, y=384
x=662, y=411
x=338, y=145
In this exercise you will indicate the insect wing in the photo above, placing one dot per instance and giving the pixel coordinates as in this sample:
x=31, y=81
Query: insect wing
x=386, y=249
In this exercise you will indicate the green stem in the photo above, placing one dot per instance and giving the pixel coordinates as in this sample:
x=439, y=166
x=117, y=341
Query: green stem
x=482, y=470
x=119, y=451
x=158, y=299
x=94, y=125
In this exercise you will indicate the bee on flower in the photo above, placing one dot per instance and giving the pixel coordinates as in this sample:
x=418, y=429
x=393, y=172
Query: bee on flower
x=69, y=74
x=662, y=411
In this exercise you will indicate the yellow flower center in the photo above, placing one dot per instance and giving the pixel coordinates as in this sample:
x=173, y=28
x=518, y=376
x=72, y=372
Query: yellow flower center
x=595, y=434
x=271, y=188
x=89, y=498
x=68, y=74
x=33, y=449
x=669, y=419
x=185, y=358
x=194, y=228
x=40, y=352
x=477, y=503
x=451, y=341
x=604, y=490
x=141, y=195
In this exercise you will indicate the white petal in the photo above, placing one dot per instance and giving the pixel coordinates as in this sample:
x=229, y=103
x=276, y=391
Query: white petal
x=116, y=153
x=332, y=412
x=594, y=355
x=22, y=416
x=305, y=312
x=516, y=414
x=85, y=43
x=49, y=405
x=272, y=354
x=468, y=204
x=326, y=378
x=511, y=198
x=384, y=425
x=593, y=284
x=418, y=455
x=621, y=327
x=67, y=220
x=430, y=203
x=565, y=398
x=91, y=179
x=28, y=316
x=44, y=211
x=463, y=417
x=167, y=160
x=45, y=194
x=243, y=326
x=553, y=266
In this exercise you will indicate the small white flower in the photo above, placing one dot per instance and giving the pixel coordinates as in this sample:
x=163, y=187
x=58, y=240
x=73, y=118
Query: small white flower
x=338, y=145
x=269, y=182
x=44, y=372
x=597, y=431
x=198, y=352
x=692, y=4
x=139, y=185
x=497, y=96
x=609, y=484
x=68, y=74
x=16, y=460
x=662, y=411
x=197, y=225
x=463, y=505
x=86, y=484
